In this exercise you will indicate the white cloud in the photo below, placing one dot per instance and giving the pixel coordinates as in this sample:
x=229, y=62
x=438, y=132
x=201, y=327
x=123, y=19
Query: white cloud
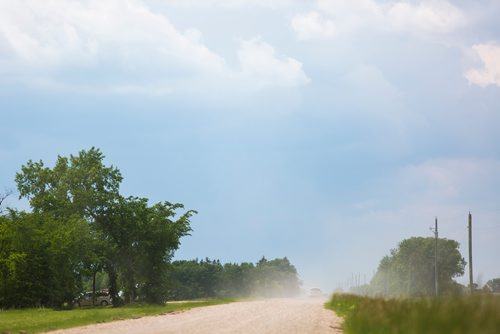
x=124, y=46
x=259, y=62
x=490, y=73
x=311, y=26
x=351, y=15
x=433, y=16
x=428, y=16
x=52, y=34
x=231, y=3
x=341, y=7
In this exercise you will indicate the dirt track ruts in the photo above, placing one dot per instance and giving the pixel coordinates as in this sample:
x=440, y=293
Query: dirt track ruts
x=253, y=317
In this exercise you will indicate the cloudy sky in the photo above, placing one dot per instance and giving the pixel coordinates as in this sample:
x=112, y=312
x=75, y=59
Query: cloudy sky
x=326, y=131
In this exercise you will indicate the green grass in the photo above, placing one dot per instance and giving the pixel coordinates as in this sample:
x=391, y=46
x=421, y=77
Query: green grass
x=454, y=315
x=42, y=320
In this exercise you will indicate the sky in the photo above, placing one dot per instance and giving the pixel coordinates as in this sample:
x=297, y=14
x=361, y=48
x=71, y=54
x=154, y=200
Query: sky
x=325, y=131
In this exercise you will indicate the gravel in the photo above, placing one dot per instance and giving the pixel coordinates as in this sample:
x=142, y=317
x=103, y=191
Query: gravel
x=261, y=316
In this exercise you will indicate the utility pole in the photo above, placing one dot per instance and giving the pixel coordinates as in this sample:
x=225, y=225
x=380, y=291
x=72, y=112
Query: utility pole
x=471, y=280
x=436, y=258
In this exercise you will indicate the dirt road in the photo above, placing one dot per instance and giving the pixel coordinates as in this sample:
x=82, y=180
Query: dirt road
x=254, y=317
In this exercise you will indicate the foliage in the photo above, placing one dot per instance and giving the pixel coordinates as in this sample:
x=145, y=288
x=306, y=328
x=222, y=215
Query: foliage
x=194, y=279
x=206, y=278
x=101, y=281
x=41, y=320
x=80, y=226
x=143, y=238
x=80, y=185
x=40, y=259
x=276, y=278
x=409, y=269
x=464, y=314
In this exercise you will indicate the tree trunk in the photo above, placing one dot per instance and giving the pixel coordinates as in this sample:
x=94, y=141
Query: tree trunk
x=93, y=288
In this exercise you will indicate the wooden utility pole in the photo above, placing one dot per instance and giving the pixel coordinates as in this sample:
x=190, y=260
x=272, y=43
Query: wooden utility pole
x=436, y=258
x=471, y=280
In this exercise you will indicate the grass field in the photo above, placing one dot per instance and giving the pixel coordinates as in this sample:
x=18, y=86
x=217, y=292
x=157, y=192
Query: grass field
x=477, y=314
x=42, y=320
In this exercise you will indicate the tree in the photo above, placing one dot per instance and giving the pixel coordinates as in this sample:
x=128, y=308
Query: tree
x=276, y=278
x=409, y=269
x=79, y=185
x=40, y=259
x=195, y=279
x=206, y=278
x=144, y=239
x=128, y=239
x=237, y=280
x=3, y=197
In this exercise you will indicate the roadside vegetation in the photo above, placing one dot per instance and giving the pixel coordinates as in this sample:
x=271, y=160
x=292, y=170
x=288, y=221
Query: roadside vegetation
x=42, y=319
x=452, y=314
x=81, y=234
x=401, y=297
x=212, y=279
x=79, y=225
x=409, y=270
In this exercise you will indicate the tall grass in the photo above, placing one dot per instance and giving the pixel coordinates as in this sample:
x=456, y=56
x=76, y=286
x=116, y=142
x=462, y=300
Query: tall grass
x=454, y=315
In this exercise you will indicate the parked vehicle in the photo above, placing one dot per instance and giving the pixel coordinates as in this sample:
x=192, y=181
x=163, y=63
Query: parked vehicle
x=102, y=298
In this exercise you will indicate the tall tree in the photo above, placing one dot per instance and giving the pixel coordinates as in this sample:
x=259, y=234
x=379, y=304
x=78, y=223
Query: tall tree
x=144, y=239
x=409, y=269
x=126, y=237
x=80, y=185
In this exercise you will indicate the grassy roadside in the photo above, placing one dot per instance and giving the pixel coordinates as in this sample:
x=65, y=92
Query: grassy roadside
x=42, y=320
x=477, y=314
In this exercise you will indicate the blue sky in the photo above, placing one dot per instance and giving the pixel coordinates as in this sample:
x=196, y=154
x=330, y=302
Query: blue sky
x=326, y=131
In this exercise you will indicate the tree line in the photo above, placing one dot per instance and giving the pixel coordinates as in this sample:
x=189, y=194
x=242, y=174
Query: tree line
x=212, y=279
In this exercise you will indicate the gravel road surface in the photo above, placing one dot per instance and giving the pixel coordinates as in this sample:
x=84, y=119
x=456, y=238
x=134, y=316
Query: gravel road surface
x=301, y=316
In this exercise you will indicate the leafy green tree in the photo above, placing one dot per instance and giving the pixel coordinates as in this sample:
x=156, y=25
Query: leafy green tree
x=237, y=280
x=276, y=278
x=409, y=269
x=194, y=279
x=144, y=238
x=206, y=278
x=128, y=239
x=80, y=185
x=40, y=259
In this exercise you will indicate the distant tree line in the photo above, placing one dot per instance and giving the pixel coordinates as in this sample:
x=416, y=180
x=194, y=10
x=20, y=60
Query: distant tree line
x=409, y=269
x=209, y=278
x=79, y=228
